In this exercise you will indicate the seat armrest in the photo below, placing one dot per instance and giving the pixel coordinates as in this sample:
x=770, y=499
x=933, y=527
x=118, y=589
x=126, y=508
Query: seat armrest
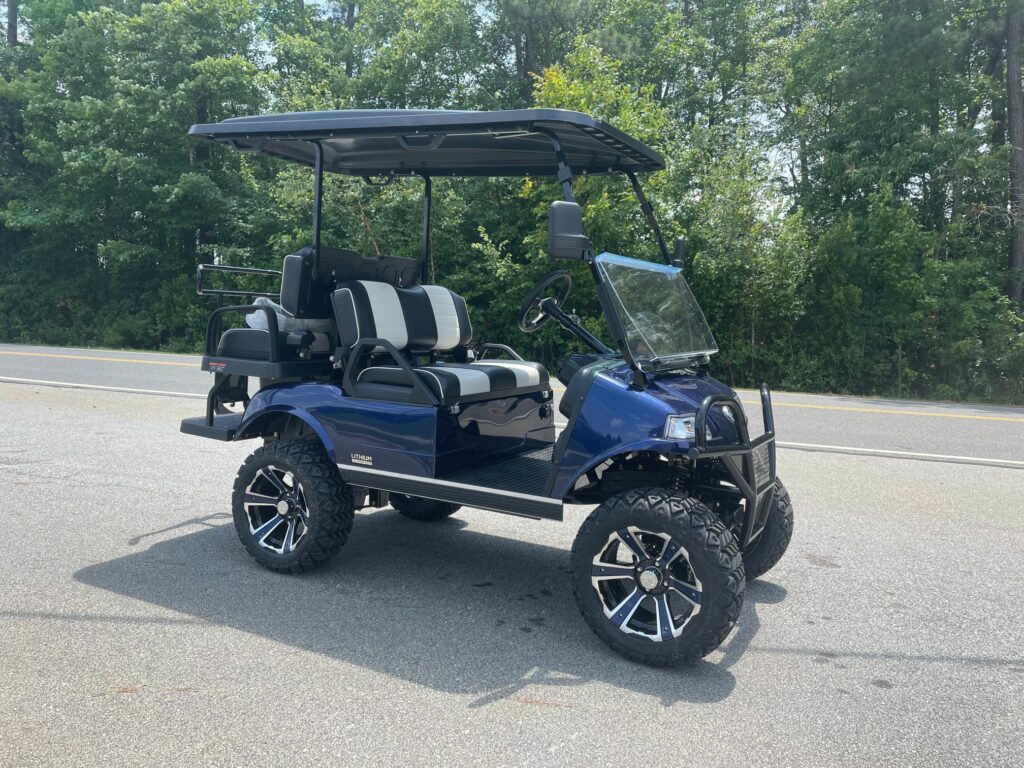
x=498, y=348
x=363, y=347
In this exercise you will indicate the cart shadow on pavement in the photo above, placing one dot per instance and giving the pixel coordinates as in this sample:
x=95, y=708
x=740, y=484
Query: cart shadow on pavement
x=437, y=605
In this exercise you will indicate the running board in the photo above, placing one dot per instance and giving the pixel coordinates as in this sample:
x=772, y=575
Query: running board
x=509, y=502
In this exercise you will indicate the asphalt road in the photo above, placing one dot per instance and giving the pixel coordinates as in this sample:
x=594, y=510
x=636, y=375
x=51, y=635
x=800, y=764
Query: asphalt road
x=134, y=630
x=949, y=432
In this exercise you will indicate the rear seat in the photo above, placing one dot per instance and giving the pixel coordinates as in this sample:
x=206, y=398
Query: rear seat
x=424, y=319
x=306, y=288
x=304, y=300
x=254, y=344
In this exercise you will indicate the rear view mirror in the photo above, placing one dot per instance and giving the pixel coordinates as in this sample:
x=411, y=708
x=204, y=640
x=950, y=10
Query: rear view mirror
x=566, y=239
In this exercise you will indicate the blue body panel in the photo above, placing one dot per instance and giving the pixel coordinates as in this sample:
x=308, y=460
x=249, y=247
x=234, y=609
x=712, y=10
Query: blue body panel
x=617, y=418
x=399, y=436
x=429, y=442
x=416, y=440
x=481, y=429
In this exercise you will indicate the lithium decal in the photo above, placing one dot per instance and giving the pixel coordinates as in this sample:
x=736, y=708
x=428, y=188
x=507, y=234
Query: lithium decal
x=359, y=458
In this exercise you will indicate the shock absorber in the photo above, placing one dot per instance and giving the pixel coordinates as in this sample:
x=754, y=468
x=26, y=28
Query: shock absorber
x=679, y=482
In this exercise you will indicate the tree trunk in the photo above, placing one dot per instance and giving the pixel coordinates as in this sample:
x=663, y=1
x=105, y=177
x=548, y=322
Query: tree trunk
x=12, y=22
x=935, y=186
x=529, y=62
x=999, y=109
x=989, y=71
x=350, y=22
x=1015, y=118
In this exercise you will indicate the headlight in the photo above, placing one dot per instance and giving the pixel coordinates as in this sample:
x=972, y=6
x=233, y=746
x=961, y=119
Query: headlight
x=681, y=427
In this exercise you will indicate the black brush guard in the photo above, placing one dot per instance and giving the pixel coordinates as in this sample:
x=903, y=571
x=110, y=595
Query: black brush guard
x=750, y=463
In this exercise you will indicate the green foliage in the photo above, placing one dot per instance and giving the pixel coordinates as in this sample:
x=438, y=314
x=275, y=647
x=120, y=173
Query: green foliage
x=839, y=168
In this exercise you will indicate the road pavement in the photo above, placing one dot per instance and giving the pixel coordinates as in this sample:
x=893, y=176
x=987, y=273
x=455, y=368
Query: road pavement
x=135, y=630
x=973, y=433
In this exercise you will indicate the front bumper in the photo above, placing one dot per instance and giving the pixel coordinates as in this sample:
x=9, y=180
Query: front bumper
x=750, y=463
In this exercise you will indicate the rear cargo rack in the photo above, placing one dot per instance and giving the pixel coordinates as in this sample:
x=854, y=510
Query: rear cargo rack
x=203, y=290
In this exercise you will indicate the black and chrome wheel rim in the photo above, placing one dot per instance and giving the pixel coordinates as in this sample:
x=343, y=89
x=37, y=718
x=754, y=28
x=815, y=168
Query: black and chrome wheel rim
x=646, y=584
x=275, y=506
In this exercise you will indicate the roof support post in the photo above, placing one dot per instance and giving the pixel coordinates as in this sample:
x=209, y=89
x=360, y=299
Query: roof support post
x=564, y=171
x=565, y=177
x=318, y=200
x=648, y=210
x=425, y=266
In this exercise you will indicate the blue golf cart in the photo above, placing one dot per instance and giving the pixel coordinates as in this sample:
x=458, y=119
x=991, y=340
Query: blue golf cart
x=372, y=392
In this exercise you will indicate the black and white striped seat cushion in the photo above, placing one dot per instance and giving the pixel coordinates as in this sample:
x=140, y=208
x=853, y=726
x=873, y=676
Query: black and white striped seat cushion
x=454, y=382
x=424, y=317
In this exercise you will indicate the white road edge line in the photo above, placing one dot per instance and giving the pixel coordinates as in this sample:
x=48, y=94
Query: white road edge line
x=898, y=454
x=75, y=385
x=808, y=446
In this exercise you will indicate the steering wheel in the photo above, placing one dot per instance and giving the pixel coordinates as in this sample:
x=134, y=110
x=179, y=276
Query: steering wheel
x=532, y=304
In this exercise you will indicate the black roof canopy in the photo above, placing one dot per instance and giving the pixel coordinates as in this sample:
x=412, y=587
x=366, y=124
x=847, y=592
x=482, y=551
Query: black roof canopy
x=373, y=142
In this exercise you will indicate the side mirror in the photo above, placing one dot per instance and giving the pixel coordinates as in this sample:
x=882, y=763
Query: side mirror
x=566, y=239
x=679, y=257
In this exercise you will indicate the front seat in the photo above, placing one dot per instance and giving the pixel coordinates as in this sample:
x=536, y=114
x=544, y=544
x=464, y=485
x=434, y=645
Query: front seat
x=421, y=320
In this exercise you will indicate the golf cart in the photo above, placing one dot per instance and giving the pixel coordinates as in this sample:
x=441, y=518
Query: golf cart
x=373, y=394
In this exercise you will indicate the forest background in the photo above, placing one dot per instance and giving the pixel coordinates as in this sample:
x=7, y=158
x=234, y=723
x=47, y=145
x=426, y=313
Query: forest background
x=848, y=173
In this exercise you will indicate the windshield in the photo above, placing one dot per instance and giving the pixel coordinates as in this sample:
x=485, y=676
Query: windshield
x=662, y=320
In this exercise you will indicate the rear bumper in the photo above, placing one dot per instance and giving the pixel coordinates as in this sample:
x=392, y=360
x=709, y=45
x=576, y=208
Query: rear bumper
x=221, y=427
x=750, y=463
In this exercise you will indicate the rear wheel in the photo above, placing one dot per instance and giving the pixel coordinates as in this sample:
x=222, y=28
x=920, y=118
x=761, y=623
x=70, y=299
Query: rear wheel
x=424, y=510
x=292, y=510
x=657, y=576
x=771, y=545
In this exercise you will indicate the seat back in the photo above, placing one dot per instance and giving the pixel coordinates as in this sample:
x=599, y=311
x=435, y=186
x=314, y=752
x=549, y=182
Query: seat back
x=420, y=318
x=302, y=295
x=306, y=287
x=340, y=265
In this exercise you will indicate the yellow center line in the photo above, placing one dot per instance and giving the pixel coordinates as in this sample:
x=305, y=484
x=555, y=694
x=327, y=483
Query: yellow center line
x=890, y=411
x=98, y=359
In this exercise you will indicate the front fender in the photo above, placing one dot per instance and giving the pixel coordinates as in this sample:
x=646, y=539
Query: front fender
x=617, y=418
x=664, y=447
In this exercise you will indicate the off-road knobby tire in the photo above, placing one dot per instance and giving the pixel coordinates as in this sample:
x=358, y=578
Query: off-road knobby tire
x=423, y=510
x=714, y=555
x=770, y=546
x=329, y=501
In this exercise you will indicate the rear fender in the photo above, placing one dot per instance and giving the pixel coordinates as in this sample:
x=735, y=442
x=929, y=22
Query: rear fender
x=283, y=420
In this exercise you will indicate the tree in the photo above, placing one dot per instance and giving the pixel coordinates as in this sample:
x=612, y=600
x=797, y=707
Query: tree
x=12, y=22
x=1015, y=114
x=839, y=168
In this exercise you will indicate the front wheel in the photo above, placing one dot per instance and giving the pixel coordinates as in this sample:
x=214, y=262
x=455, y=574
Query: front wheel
x=291, y=508
x=657, y=576
x=771, y=545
